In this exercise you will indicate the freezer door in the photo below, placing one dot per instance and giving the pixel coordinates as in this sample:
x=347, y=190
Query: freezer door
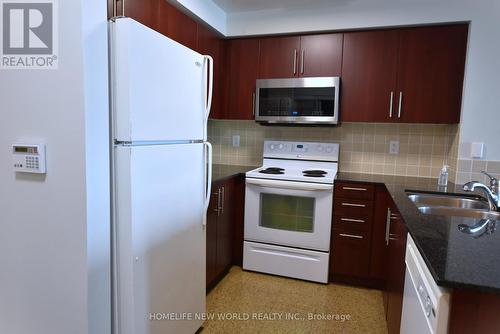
x=159, y=86
x=160, y=238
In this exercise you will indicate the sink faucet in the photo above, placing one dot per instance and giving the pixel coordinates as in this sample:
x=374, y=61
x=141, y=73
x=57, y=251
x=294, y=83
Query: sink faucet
x=492, y=193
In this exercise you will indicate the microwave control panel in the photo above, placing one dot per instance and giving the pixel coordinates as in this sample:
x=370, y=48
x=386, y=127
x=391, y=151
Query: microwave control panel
x=29, y=158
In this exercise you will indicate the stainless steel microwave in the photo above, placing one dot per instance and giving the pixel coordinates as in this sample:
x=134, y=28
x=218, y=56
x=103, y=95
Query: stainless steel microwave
x=297, y=100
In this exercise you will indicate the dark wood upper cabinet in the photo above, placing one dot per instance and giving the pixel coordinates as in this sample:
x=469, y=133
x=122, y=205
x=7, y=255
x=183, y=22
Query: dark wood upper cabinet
x=301, y=56
x=279, y=57
x=242, y=67
x=369, y=70
x=143, y=11
x=411, y=75
x=431, y=73
x=320, y=55
x=176, y=25
x=209, y=43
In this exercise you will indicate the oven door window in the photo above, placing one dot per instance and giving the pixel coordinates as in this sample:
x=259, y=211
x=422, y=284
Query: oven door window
x=290, y=213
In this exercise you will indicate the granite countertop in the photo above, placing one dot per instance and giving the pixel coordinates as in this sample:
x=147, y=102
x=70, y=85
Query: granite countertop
x=455, y=259
x=221, y=172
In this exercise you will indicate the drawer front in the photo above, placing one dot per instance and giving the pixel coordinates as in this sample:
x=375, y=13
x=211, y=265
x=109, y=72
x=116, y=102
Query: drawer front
x=350, y=253
x=355, y=190
x=353, y=208
x=352, y=224
x=286, y=261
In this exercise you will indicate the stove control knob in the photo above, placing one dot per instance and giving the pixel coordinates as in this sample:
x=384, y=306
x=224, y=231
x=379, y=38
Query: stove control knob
x=329, y=149
x=280, y=146
x=272, y=146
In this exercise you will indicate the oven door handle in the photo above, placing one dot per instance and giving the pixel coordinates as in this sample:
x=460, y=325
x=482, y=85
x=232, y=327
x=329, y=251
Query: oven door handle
x=290, y=185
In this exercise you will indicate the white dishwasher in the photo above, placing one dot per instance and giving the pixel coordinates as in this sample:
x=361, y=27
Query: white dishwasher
x=425, y=304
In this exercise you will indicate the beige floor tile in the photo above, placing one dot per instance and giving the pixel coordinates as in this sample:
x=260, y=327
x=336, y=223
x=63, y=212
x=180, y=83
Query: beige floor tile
x=253, y=298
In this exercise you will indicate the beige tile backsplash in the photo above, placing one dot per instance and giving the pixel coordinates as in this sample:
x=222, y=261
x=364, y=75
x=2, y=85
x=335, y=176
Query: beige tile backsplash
x=470, y=170
x=364, y=147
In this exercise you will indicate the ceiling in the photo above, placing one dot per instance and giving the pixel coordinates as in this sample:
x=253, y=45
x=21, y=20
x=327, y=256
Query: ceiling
x=236, y=6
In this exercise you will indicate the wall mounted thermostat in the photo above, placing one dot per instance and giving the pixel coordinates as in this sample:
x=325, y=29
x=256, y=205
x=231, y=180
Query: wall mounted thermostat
x=29, y=158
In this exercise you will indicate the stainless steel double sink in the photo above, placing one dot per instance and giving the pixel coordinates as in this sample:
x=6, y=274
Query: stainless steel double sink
x=453, y=205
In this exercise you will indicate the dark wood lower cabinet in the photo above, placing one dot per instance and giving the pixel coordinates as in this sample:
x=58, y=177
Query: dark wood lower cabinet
x=238, y=220
x=224, y=221
x=351, y=252
x=219, y=232
x=351, y=233
x=474, y=312
x=211, y=237
x=361, y=254
x=395, y=271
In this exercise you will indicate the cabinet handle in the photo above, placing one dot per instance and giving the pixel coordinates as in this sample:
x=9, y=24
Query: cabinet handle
x=391, y=102
x=400, y=104
x=218, y=202
x=387, y=226
x=351, y=220
x=294, y=62
x=354, y=205
x=355, y=189
x=353, y=236
x=253, y=104
x=302, y=61
x=223, y=195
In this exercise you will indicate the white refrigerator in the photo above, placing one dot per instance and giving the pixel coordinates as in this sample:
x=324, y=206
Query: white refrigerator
x=161, y=171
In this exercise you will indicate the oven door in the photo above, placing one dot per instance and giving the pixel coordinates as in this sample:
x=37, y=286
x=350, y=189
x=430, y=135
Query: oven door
x=295, y=214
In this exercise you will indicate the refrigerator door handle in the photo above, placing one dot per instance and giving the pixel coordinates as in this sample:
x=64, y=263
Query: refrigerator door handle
x=209, y=178
x=209, y=77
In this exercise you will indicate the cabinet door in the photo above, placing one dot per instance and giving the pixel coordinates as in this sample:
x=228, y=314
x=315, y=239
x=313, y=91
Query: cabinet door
x=369, y=76
x=431, y=72
x=224, y=230
x=143, y=11
x=320, y=55
x=209, y=43
x=396, y=273
x=379, y=247
x=175, y=24
x=350, y=254
x=279, y=57
x=242, y=58
x=211, y=236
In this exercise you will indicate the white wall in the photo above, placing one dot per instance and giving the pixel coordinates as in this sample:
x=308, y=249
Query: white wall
x=45, y=220
x=206, y=10
x=480, y=114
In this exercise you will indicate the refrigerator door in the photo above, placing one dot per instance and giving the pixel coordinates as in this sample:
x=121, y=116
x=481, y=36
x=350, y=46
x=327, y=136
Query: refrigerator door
x=159, y=238
x=161, y=90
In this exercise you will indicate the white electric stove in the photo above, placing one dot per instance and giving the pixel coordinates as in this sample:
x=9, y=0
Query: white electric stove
x=288, y=210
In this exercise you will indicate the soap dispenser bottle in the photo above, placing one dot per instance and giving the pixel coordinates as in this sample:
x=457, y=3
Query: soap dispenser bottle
x=443, y=176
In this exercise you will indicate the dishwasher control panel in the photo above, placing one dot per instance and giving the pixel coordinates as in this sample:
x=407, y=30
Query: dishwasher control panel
x=29, y=158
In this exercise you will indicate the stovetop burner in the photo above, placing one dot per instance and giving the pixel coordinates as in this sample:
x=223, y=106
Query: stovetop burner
x=272, y=170
x=315, y=171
